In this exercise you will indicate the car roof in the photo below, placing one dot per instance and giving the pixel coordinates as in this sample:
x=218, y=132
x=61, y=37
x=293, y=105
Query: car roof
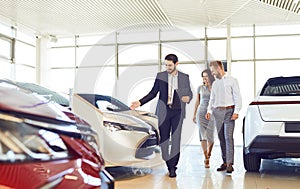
x=283, y=80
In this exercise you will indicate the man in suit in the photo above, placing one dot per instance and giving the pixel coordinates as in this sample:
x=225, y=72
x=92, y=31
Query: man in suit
x=174, y=91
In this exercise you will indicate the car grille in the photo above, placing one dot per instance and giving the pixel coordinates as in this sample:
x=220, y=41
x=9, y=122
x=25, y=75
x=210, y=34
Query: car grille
x=146, y=148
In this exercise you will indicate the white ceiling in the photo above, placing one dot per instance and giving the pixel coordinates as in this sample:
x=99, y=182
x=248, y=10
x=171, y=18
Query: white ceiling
x=69, y=17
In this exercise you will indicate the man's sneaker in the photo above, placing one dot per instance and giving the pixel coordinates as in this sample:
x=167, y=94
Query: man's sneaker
x=223, y=167
x=229, y=169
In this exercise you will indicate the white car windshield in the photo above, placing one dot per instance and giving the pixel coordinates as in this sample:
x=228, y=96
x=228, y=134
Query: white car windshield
x=104, y=102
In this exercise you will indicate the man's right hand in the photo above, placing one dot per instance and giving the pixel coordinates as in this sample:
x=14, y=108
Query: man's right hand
x=207, y=116
x=135, y=104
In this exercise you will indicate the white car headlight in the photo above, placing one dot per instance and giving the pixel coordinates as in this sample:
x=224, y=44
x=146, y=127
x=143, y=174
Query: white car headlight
x=113, y=126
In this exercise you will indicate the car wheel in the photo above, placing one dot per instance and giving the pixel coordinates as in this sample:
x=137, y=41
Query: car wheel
x=251, y=162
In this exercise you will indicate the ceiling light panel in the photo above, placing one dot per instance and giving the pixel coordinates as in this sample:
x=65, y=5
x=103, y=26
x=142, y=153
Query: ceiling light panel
x=89, y=16
x=289, y=5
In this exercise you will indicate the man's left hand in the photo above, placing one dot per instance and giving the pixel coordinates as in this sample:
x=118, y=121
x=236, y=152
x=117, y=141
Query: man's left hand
x=185, y=99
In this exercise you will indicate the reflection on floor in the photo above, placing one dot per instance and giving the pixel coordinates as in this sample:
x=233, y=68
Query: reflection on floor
x=191, y=174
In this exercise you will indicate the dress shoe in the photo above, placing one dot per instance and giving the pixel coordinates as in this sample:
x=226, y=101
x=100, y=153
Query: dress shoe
x=229, y=169
x=223, y=167
x=172, y=173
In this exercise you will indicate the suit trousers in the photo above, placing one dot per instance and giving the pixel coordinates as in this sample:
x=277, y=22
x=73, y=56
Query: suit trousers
x=170, y=132
x=225, y=128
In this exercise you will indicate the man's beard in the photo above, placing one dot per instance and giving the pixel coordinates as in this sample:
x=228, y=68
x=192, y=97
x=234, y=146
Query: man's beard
x=171, y=71
x=219, y=76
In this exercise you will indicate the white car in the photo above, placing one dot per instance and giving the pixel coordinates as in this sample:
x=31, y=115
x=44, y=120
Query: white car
x=272, y=123
x=129, y=136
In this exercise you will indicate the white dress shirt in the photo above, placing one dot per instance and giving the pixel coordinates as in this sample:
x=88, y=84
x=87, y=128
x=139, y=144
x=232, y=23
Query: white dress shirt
x=225, y=92
x=172, y=85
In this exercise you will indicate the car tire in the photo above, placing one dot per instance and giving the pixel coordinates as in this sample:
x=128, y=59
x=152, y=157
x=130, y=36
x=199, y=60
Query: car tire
x=251, y=162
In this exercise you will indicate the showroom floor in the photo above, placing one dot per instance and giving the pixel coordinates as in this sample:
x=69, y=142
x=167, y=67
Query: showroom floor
x=191, y=174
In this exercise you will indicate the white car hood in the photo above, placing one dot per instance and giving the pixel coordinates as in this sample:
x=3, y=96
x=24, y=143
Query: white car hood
x=279, y=108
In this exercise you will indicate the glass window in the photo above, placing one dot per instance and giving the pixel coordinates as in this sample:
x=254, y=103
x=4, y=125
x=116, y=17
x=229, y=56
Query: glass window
x=81, y=53
x=98, y=80
x=242, y=48
x=6, y=30
x=242, y=31
x=216, y=49
x=194, y=71
x=176, y=34
x=61, y=42
x=5, y=48
x=188, y=51
x=277, y=29
x=197, y=33
x=25, y=54
x=138, y=54
x=25, y=74
x=109, y=38
x=61, y=57
x=277, y=47
x=134, y=82
x=216, y=32
x=25, y=37
x=5, y=70
x=61, y=80
x=243, y=72
x=96, y=56
x=133, y=37
x=106, y=81
x=267, y=69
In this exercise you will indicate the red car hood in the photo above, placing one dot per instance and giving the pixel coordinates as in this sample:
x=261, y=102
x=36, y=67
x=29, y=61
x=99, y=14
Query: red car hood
x=11, y=99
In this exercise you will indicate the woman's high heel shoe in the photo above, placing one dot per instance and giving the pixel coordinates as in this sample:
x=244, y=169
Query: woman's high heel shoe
x=206, y=163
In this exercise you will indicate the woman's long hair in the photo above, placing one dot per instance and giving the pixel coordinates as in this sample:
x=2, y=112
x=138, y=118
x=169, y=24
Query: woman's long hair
x=210, y=76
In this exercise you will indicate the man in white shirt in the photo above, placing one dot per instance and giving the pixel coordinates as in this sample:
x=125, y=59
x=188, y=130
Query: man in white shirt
x=225, y=104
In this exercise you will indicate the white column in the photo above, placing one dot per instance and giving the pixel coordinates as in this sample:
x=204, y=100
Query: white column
x=42, y=67
x=228, y=50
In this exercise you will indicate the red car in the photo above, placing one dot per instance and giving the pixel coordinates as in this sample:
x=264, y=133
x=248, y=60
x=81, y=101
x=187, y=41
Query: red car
x=41, y=147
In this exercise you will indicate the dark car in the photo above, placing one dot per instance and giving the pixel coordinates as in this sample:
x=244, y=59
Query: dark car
x=41, y=147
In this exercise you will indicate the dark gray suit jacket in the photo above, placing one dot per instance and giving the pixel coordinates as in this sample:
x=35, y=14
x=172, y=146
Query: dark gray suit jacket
x=161, y=86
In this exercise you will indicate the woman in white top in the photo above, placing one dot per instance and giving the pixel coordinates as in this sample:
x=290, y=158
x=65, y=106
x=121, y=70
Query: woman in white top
x=206, y=128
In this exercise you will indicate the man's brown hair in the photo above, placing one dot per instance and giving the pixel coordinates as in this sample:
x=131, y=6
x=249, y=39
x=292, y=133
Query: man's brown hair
x=217, y=63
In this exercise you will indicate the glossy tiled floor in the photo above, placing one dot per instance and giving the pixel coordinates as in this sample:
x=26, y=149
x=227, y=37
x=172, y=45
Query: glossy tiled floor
x=191, y=174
